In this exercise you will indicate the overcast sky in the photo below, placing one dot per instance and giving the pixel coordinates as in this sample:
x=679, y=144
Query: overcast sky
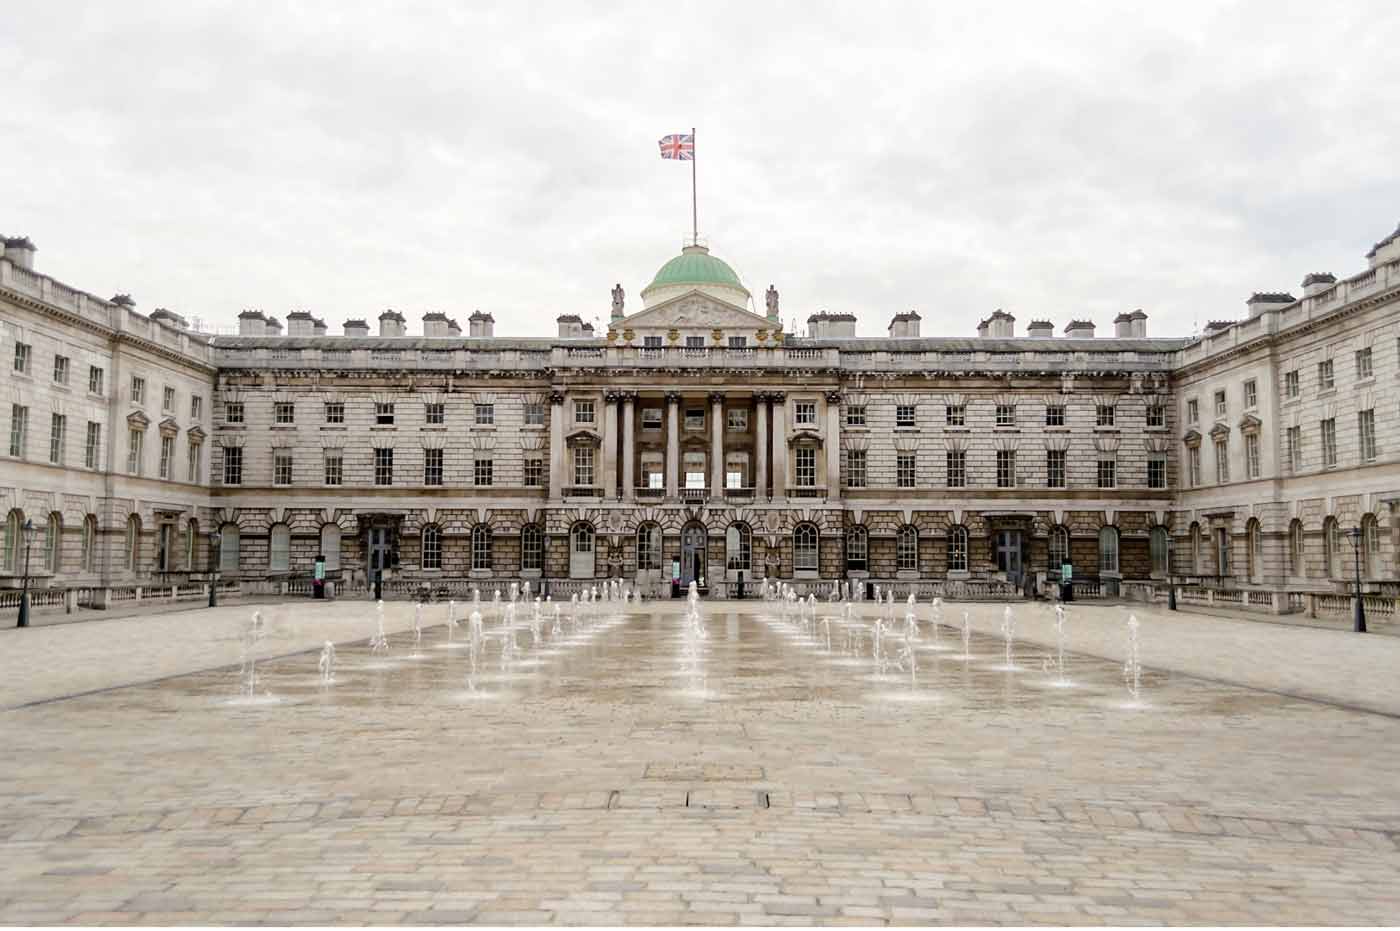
x=1054, y=160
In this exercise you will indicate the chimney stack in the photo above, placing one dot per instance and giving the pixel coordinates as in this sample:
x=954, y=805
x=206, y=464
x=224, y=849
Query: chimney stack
x=318, y=326
x=356, y=328
x=1261, y=301
x=299, y=323
x=1139, y=330
x=1387, y=250
x=435, y=325
x=1317, y=282
x=1000, y=325
x=1041, y=329
x=831, y=326
x=570, y=326
x=481, y=326
x=19, y=250
x=905, y=325
x=250, y=323
x=1079, y=329
x=391, y=323
x=170, y=318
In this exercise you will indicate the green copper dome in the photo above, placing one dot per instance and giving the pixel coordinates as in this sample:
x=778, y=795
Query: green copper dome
x=696, y=267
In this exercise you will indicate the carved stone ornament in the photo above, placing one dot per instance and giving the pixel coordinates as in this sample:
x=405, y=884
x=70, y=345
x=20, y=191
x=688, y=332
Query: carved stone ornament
x=612, y=336
x=717, y=335
x=761, y=336
x=628, y=335
x=673, y=335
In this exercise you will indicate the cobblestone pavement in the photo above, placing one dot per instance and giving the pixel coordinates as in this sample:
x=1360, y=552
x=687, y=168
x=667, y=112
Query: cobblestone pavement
x=621, y=771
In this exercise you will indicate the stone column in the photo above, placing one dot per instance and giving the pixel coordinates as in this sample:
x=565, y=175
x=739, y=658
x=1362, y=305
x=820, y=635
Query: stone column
x=556, y=444
x=833, y=444
x=716, y=445
x=780, y=451
x=610, y=402
x=760, y=446
x=673, y=445
x=629, y=446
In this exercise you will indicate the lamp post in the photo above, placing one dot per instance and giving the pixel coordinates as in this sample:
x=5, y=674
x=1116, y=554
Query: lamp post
x=1358, y=615
x=29, y=532
x=217, y=539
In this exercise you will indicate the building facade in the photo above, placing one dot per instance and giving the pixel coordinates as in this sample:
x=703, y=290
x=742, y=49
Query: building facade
x=698, y=439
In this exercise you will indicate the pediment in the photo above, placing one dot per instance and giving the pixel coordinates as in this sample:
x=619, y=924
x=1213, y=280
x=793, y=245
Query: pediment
x=137, y=420
x=168, y=427
x=693, y=310
x=197, y=434
x=1192, y=438
x=583, y=437
x=1219, y=430
x=1249, y=423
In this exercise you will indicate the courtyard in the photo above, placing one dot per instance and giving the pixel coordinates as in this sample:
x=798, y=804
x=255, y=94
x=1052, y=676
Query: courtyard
x=623, y=764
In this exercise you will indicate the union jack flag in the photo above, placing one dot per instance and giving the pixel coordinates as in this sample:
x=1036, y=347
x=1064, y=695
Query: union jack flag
x=678, y=145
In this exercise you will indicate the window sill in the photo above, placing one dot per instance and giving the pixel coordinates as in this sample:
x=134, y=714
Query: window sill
x=1056, y=428
x=337, y=429
x=1105, y=429
x=283, y=426
x=962, y=429
x=382, y=427
x=1004, y=429
x=532, y=426
x=475, y=426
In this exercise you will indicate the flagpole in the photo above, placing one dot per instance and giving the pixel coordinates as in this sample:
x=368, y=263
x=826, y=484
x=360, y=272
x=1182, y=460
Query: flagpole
x=694, y=213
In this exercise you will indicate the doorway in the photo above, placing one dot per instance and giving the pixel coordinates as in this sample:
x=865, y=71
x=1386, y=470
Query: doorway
x=1008, y=555
x=581, y=551
x=692, y=554
x=378, y=550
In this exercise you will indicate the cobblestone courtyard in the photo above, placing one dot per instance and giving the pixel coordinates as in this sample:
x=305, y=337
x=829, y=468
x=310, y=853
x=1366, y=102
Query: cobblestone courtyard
x=621, y=771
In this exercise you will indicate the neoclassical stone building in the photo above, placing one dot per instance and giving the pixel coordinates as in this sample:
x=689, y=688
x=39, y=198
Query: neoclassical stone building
x=698, y=438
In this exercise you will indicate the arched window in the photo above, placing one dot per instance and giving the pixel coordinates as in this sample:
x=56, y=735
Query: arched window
x=279, y=552
x=228, y=548
x=857, y=548
x=1195, y=549
x=481, y=547
x=1108, y=549
x=89, y=543
x=1254, y=552
x=582, y=564
x=53, y=540
x=738, y=547
x=906, y=549
x=1332, y=547
x=957, y=548
x=1157, y=545
x=432, y=547
x=191, y=535
x=330, y=546
x=1370, y=547
x=805, y=548
x=1296, y=566
x=133, y=544
x=1059, y=548
x=14, y=536
x=648, y=547
x=532, y=547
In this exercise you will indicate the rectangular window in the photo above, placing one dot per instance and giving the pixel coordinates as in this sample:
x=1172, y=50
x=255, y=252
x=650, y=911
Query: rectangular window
x=1055, y=468
x=1291, y=384
x=806, y=466
x=1193, y=465
x=651, y=418
x=1108, y=473
x=335, y=412
x=92, y=444
x=384, y=414
x=957, y=468
x=695, y=418
x=583, y=412
x=432, y=467
x=58, y=438
x=233, y=465
x=335, y=467
x=737, y=420
x=695, y=342
x=233, y=412
x=192, y=471
x=1157, y=472
x=196, y=407
x=284, y=412
x=136, y=441
x=534, y=473
x=855, y=468
x=22, y=358
x=1193, y=411
x=583, y=466
x=738, y=342
x=1006, y=468
x=534, y=415
x=805, y=413
x=1251, y=394
x=1221, y=406
x=167, y=455
x=1295, y=449
x=1222, y=462
x=955, y=415
x=651, y=345
x=904, y=472
x=19, y=429
x=60, y=370
x=1156, y=416
x=1364, y=368
x=855, y=415
x=167, y=399
x=1329, y=443
x=383, y=465
x=1251, y=455
x=1055, y=415
x=97, y=380
x=904, y=415
x=693, y=470
x=485, y=415
x=1006, y=415
x=1106, y=414
x=138, y=390
x=435, y=413
x=1366, y=432
x=1325, y=377
x=281, y=467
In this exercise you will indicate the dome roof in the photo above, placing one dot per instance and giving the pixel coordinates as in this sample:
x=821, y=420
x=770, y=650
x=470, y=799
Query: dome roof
x=697, y=268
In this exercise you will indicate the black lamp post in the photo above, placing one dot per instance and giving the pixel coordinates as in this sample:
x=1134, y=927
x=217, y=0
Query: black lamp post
x=29, y=532
x=1358, y=616
x=217, y=539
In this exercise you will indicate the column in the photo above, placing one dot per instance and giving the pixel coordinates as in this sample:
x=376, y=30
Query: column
x=556, y=444
x=780, y=451
x=629, y=449
x=610, y=402
x=760, y=447
x=673, y=445
x=833, y=444
x=716, y=445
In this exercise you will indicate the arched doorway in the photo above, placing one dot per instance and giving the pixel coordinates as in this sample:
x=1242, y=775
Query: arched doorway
x=692, y=553
x=581, y=563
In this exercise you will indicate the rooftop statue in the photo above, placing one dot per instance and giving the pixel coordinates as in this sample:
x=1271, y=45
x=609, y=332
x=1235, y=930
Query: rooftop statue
x=772, y=299
x=617, y=298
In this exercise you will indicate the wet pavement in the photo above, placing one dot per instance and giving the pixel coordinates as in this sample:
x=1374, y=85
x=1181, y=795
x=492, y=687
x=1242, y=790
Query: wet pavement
x=622, y=770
